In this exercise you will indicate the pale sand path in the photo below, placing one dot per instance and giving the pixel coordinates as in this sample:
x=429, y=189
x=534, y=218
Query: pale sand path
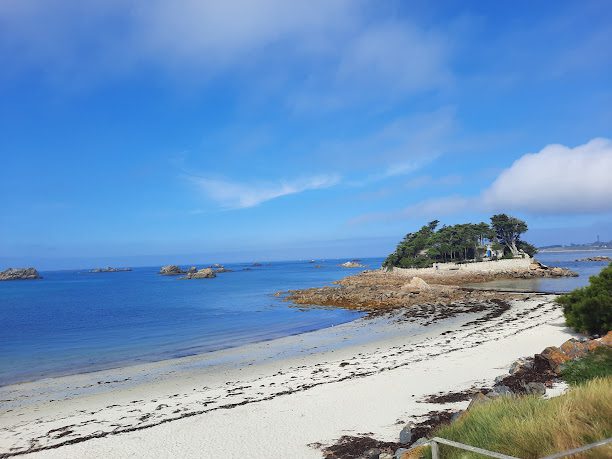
x=399, y=368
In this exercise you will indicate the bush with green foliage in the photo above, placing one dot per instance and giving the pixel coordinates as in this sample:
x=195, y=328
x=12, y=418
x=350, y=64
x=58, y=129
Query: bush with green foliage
x=589, y=309
x=596, y=364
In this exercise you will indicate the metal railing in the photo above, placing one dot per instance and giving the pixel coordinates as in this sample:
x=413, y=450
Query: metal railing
x=435, y=451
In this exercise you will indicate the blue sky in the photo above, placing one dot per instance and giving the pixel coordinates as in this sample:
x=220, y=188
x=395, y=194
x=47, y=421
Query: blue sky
x=154, y=131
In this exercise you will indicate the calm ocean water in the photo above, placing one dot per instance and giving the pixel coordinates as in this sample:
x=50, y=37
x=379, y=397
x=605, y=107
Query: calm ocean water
x=76, y=321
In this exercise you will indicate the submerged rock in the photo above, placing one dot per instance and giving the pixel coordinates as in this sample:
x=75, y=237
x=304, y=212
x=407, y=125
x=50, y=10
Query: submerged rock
x=19, y=274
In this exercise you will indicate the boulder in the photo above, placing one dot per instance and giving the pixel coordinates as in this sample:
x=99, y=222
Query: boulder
x=520, y=364
x=405, y=435
x=386, y=456
x=19, y=274
x=193, y=269
x=413, y=453
x=399, y=452
x=499, y=391
x=171, y=270
x=554, y=356
x=415, y=285
x=372, y=453
x=205, y=273
x=607, y=340
x=535, y=388
x=574, y=349
x=478, y=399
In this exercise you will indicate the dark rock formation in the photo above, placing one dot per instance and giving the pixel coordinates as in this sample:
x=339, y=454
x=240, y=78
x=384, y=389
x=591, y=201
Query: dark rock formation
x=19, y=274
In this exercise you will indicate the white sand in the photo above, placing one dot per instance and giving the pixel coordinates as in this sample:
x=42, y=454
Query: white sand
x=388, y=367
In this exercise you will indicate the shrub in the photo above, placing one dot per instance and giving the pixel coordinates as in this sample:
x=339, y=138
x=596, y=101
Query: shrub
x=596, y=364
x=589, y=309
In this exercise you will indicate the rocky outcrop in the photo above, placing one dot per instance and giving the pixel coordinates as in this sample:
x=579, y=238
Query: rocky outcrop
x=172, y=270
x=554, y=357
x=19, y=274
x=416, y=285
x=217, y=268
x=109, y=269
x=537, y=269
x=597, y=258
x=352, y=264
x=205, y=273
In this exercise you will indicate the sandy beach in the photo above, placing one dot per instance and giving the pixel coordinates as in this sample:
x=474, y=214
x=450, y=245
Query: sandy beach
x=280, y=398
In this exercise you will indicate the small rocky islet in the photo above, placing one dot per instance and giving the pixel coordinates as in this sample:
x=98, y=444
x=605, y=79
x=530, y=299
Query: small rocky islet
x=19, y=274
x=109, y=269
x=193, y=272
x=596, y=258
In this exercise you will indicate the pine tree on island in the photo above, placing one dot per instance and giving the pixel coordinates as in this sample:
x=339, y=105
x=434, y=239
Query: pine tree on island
x=462, y=243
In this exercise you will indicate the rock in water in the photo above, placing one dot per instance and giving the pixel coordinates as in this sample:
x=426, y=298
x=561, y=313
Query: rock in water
x=19, y=274
x=205, y=273
x=171, y=270
x=352, y=264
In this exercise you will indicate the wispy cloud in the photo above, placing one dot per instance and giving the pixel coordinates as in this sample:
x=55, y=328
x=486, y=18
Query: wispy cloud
x=239, y=195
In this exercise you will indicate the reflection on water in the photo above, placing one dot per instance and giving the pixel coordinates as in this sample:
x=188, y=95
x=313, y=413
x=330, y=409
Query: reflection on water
x=585, y=269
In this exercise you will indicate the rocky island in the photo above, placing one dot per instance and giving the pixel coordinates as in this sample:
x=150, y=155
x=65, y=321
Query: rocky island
x=109, y=269
x=444, y=285
x=193, y=272
x=352, y=264
x=19, y=274
x=596, y=258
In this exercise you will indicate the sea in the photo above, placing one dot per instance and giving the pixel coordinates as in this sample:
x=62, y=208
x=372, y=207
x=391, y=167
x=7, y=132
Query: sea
x=76, y=321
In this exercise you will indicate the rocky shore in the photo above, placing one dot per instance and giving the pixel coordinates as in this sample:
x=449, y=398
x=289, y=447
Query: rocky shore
x=385, y=290
x=19, y=274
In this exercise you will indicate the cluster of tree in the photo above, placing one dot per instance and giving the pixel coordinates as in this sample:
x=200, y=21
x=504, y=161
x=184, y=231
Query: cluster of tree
x=589, y=309
x=460, y=242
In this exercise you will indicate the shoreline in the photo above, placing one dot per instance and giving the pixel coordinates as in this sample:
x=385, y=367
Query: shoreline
x=147, y=396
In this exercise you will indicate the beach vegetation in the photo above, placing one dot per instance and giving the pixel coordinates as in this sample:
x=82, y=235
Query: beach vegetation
x=589, y=309
x=532, y=427
x=596, y=364
x=461, y=243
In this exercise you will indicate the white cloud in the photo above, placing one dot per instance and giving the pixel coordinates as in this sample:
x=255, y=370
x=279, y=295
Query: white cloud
x=556, y=180
x=236, y=195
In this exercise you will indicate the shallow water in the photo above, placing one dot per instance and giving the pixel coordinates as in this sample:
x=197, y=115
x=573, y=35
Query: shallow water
x=76, y=321
x=585, y=269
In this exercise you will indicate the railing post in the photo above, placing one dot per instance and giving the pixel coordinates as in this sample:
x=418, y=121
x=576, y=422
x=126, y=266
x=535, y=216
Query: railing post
x=435, y=453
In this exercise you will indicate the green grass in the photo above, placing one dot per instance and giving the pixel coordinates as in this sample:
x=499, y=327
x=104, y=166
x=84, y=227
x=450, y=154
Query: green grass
x=596, y=364
x=531, y=427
